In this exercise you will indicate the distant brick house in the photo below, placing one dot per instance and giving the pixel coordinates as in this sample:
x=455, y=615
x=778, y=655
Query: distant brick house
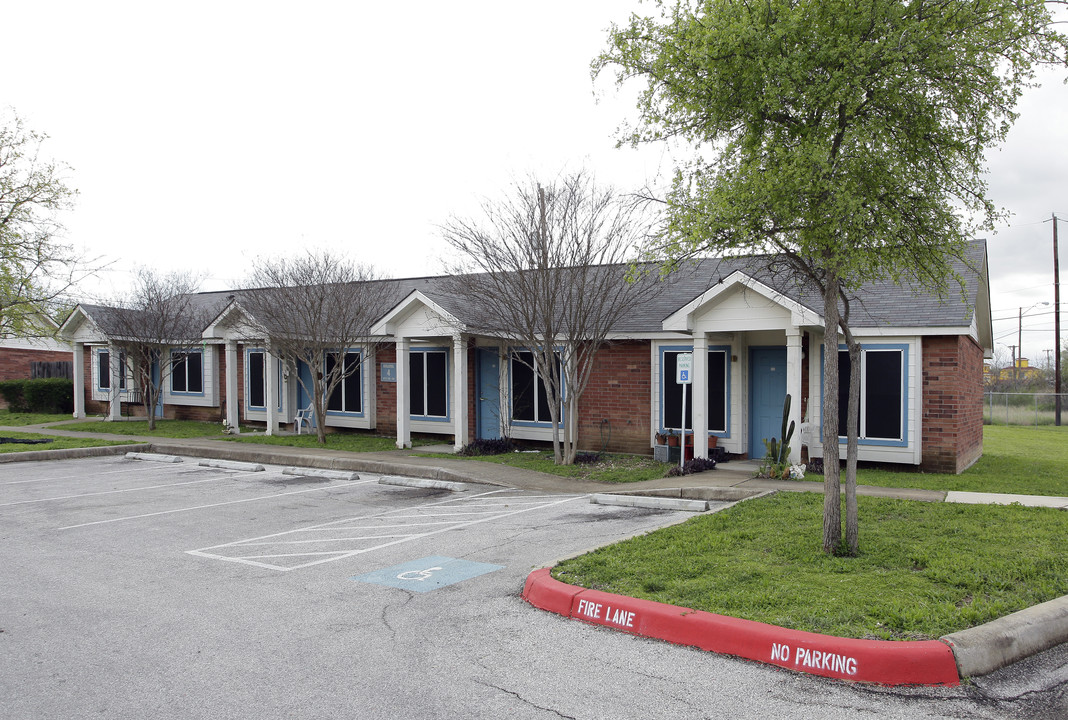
x=921, y=369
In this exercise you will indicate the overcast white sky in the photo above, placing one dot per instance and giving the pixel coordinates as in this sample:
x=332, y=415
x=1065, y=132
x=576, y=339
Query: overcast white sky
x=203, y=134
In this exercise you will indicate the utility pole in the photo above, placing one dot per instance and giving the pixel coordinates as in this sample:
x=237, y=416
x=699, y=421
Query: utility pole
x=1056, y=326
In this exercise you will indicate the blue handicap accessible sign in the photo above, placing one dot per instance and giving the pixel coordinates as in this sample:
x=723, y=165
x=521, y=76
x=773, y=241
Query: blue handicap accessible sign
x=429, y=573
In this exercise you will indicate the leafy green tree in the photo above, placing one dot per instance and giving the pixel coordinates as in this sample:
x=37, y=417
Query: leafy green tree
x=848, y=137
x=36, y=268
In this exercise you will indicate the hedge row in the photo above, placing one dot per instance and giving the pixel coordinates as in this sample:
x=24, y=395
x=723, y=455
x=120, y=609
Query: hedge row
x=44, y=395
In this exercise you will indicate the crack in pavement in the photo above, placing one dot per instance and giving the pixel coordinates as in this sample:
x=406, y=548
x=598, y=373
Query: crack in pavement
x=522, y=699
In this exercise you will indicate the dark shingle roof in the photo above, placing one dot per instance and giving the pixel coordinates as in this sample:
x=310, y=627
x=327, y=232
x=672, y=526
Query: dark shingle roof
x=877, y=304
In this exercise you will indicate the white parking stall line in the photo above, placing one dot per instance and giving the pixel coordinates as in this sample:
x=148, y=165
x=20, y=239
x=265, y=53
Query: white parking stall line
x=213, y=505
x=332, y=523
x=449, y=514
x=112, y=492
x=136, y=468
x=373, y=527
x=321, y=540
x=330, y=556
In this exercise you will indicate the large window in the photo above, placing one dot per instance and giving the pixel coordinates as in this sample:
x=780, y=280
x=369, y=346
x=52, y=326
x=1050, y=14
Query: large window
x=347, y=396
x=104, y=369
x=187, y=371
x=530, y=398
x=882, y=393
x=671, y=391
x=429, y=372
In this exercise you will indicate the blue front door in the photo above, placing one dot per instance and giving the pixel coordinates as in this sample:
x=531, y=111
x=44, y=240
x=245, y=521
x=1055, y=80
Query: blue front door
x=489, y=394
x=767, y=391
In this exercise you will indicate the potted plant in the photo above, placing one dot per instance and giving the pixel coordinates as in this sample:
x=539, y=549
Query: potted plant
x=673, y=438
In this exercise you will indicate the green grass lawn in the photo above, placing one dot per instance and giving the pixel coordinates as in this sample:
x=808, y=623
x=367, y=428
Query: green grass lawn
x=347, y=442
x=613, y=467
x=925, y=569
x=1018, y=460
x=12, y=419
x=58, y=443
x=164, y=428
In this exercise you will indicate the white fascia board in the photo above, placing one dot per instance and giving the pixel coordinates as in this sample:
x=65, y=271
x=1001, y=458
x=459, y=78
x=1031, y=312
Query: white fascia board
x=385, y=326
x=682, y=319
x=900, y=331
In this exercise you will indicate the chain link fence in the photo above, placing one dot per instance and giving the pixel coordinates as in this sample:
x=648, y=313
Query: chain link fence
x=1021, y=408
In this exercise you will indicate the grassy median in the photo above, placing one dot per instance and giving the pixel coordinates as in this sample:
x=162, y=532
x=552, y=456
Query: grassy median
x=925, y=569
x=57, y=443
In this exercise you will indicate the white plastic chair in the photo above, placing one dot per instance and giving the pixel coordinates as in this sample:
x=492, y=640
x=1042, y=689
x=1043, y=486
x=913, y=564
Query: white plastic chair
x=304, y=415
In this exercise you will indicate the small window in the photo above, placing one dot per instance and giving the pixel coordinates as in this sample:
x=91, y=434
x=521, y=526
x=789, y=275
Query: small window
x=187, y=371
x=257, y=374
x=428, y=370
x=104, y=369
x=346, y=396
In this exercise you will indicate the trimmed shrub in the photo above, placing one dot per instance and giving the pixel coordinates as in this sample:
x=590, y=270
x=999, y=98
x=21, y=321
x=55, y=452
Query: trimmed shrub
x=500, y=446
x=693, y=466
x=44, y=395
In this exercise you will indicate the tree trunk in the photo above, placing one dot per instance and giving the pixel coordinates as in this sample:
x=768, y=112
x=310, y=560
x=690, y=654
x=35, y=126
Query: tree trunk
x=318, y=401
x=852, y=523
x=832, y=512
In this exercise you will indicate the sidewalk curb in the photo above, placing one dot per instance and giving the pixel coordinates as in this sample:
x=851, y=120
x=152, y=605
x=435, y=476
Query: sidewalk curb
x=887, y=662
x=74, y=453
x=986, y=648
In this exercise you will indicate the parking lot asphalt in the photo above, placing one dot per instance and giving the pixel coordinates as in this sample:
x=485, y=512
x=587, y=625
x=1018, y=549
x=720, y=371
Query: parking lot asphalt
x=133, y=589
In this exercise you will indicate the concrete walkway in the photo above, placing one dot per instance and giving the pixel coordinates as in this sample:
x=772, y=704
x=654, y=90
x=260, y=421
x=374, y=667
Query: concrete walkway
x=416, y=463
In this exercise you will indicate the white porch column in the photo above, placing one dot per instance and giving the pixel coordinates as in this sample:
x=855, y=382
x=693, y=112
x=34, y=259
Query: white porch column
x=116, y=371
x=459, y=391
x=404, y=394
x=232, y=404
x=79, y=380
x=793, y=388
x=700, y=395
x=272, y=392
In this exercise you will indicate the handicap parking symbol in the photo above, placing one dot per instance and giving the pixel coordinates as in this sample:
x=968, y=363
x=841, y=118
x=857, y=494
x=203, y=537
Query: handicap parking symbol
x=426, y=574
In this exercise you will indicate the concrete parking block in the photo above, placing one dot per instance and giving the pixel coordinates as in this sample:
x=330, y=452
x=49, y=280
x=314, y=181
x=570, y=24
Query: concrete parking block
x=320, y=473
x=422, y=483
x=654, y=503
x=153, y=457
x=232, y=465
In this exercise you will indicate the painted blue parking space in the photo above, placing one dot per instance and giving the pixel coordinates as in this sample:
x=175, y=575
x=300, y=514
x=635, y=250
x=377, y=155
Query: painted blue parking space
x=426, y=574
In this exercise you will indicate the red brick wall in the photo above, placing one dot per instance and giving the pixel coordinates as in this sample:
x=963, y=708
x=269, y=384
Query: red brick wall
x=385, y=393
x=620, y=392
x=952, y=404
x=15, y=362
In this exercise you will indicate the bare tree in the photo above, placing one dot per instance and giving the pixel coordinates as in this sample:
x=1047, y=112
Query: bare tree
x=548, y=270
x=162, y=312
x=36, y=268
x=318, y=309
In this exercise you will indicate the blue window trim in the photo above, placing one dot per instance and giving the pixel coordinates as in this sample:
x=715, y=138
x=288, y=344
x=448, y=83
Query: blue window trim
x=100, y=388
x=203, y=386
x=726, y=350
x=877, y=442
x=248, y=382
x=359, y=374
x=511, y=409
x=448, y=385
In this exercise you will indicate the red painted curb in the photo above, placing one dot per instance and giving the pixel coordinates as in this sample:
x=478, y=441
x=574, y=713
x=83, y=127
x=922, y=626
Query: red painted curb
x=887, y=662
